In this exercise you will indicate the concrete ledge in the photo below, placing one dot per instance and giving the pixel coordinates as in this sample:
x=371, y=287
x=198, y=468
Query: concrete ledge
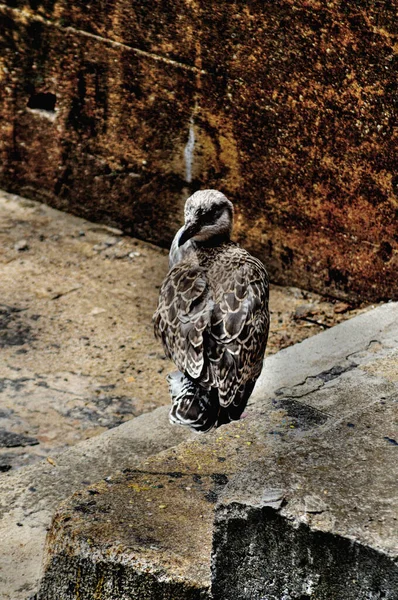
x=356, y=339
x=29, y=496
x=322, y=521
x=296, y=501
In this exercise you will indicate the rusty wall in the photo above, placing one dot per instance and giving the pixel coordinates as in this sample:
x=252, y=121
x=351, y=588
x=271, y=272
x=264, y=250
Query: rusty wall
x=118, y=109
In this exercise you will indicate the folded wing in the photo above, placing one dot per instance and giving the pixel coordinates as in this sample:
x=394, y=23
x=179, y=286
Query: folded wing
x=182, y=317
x=214, y=326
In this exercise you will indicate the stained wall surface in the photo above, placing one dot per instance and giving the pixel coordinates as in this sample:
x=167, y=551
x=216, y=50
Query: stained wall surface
x=117, y=110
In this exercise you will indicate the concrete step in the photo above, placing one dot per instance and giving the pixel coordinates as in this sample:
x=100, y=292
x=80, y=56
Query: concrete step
x=296, y=501
x=29, y=496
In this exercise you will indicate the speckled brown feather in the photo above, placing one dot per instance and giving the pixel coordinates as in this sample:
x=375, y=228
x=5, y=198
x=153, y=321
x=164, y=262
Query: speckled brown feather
x=213, y=319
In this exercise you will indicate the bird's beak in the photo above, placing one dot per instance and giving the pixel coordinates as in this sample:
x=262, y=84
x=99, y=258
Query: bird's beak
x=190, y=230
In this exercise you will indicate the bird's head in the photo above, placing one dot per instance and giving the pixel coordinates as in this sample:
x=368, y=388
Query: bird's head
x=208, y=216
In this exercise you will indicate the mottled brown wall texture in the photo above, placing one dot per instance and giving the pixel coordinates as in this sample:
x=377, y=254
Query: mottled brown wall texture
x=118, y=109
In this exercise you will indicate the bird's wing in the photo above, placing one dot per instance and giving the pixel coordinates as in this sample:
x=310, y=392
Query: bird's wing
x=239, y=328
x=183, y=315
x=215, y=332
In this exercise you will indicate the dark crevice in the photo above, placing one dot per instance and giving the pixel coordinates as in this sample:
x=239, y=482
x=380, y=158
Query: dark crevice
x=322, y=377
x=42, y=101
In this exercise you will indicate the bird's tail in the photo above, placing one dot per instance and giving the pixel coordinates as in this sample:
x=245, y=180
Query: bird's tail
x=192, y=405
x=198, y=408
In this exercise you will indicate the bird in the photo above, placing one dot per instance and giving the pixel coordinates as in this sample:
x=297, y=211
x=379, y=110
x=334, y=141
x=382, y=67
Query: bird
x=212, y=316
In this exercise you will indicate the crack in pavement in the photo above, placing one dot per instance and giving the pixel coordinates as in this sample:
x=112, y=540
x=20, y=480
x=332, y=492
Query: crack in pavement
x=322, y=377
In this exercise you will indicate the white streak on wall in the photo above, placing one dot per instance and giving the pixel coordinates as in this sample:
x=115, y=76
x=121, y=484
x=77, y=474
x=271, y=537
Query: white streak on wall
x=188, y=152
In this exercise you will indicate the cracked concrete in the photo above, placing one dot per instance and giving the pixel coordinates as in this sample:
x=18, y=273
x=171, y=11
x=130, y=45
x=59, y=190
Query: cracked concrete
x=315, y=382
x=297, y=500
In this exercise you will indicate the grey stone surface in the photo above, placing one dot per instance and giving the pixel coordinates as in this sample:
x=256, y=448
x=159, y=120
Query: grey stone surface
x=263, y=556
x=354, y=341
x=296, y=501
x=9, y=439
x=29, y=496
x=321, y=521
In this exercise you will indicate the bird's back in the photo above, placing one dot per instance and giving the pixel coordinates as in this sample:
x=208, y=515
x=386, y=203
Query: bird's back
x=213, y=319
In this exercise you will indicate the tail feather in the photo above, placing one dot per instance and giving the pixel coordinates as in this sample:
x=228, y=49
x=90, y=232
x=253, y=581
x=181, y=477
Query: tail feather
x=199, y=408
x=192, y=405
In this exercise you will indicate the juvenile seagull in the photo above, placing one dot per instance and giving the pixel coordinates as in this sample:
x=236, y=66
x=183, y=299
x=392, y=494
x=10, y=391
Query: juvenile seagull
x=212, y=316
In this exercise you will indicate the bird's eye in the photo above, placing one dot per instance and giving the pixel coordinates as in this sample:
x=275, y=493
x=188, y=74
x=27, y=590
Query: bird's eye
x=212, y=215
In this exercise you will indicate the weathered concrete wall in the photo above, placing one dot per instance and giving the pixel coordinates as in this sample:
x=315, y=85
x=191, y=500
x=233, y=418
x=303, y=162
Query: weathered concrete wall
x=288, y=107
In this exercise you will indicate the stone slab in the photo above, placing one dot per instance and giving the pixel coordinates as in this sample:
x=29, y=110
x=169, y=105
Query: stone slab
x=319, y=487
x=309, y=364
x=29, y=496
x=119, y=112
x=322, y=522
